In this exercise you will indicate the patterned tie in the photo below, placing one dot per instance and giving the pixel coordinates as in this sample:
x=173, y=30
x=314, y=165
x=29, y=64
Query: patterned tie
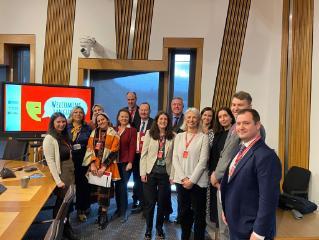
x=239, y=156
x=175, y=121
x=142, y=127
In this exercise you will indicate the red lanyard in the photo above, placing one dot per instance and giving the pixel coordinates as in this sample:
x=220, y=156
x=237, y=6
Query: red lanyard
x=241, y=154
x=187, y=143
x=161, y=143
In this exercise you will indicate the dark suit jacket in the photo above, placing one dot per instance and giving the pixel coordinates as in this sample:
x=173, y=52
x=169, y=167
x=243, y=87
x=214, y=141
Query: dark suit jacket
x=136, y=119
x=148, y=126
x=179, y=124
x=127, y=145
x=250, y=196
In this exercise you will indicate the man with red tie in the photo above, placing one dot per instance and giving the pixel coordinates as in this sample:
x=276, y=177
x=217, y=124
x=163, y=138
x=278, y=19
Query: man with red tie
x=250, y=187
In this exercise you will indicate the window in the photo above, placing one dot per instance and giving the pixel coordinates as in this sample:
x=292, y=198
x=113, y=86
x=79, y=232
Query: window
x=21, y=64
x=181, y=83
x=111, y=88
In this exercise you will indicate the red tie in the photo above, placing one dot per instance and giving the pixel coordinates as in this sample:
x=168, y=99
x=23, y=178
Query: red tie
x=238, y=158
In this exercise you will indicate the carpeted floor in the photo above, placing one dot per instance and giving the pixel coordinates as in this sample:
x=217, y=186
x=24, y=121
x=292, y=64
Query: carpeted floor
x=133, y=229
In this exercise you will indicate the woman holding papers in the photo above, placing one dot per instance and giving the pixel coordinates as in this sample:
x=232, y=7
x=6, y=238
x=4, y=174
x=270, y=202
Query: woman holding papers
x=155, y=171
x=101, y=156
x=128, y=138
x=57, y=152
x=190, y=155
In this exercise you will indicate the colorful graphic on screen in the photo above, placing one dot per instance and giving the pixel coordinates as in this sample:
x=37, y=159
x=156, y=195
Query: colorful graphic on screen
x=29, y=107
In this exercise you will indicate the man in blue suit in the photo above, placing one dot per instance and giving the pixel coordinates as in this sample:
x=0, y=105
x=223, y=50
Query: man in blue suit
x=250, y=187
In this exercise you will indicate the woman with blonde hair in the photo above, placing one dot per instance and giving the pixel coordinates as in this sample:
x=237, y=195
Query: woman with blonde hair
x=190, y=155
x=79, y=133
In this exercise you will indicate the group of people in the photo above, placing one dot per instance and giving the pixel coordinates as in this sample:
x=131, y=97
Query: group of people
x=221, y=154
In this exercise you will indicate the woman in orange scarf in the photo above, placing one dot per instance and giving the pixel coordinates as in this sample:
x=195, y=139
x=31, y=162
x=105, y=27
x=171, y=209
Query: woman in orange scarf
x=101, y=157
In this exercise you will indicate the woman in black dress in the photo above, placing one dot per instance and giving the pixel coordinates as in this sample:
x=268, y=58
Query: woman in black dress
x=223, y=122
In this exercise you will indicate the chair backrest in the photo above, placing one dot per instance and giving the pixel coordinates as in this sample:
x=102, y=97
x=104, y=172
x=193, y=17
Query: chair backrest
x=15, y=150
x=55, y=231
x=296, y=182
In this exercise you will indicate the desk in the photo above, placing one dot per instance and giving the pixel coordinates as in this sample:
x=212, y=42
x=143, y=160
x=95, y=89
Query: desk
x=18, y=215
x=290, y=228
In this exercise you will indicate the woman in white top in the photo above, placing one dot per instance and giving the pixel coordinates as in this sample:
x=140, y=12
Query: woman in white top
x=57, y=152
x=190, y=156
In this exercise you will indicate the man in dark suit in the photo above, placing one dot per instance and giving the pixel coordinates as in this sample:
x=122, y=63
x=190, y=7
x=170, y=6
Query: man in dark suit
x=132, y=107
x=144, y=124
x=177, y=106
x=250, y=187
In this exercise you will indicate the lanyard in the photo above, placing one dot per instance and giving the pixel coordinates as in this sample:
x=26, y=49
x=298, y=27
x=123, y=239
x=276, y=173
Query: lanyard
x=161, y=143
x=187, y=143
x=240, y=155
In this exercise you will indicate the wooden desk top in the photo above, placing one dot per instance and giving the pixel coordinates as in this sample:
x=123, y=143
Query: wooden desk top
x=20, y=212
x=290, y=228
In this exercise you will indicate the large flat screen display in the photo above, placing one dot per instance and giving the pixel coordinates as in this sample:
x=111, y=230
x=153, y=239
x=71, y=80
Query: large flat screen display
x=28, y=107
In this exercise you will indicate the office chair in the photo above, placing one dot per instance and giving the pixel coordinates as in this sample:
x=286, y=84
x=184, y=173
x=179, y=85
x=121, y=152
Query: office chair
x=15, y=150
x=55, y=231
x=296, y=182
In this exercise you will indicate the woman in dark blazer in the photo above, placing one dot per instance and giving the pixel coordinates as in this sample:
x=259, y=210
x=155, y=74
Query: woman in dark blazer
x=128, y=138
x=223, y=122
x=155, y=171
x=79, y=133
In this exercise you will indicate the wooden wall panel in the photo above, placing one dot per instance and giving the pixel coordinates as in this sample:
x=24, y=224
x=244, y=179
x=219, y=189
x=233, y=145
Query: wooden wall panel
x=123, y=15
x=301, y=75
x=283, y=85
x=58, y=42
x=231, y=52
x=143, y=25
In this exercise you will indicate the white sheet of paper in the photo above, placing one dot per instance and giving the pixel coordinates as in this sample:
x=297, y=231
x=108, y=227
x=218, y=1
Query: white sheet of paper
x=103, y=181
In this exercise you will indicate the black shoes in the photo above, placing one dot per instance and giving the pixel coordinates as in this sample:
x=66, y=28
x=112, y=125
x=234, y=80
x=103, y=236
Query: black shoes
x=160, y=235
x=136, y=208
x=148, y=235
x=103, y=220
x=177, y=220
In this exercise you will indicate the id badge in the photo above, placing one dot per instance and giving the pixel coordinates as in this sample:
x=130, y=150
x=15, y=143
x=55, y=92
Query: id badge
x=98, y=146
x=76, y=146
x=185, y=154
x=160, y=154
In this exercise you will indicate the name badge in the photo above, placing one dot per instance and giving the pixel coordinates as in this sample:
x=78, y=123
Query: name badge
x=76, y=146
x=185, y=154
x=98, y=145
x=160, y=154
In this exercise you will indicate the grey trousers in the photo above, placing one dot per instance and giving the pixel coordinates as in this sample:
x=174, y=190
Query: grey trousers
x=223, y=228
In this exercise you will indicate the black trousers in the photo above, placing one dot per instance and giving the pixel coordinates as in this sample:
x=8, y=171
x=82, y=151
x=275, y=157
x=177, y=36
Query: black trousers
x=138, y=186
x=83, y=188
x=156, y=189
x=121, y=189
x=193, y=211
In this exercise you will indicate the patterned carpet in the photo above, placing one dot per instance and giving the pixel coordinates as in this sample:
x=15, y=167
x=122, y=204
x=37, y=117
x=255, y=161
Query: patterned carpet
x=133, y=229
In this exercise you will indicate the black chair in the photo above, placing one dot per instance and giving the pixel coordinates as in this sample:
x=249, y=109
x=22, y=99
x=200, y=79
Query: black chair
x=15, y=150
x=55, y=231
x=296, y=182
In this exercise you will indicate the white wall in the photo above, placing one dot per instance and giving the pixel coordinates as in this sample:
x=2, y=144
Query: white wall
x=94, y=18
x=189, y=18
x=314, y=126
x=260, y=66
x=26, y=17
